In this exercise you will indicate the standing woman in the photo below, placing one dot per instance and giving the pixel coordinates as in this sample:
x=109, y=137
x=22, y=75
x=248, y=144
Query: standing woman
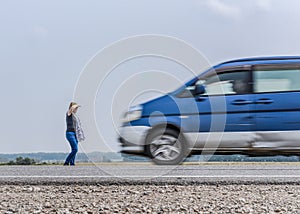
x=74, y=132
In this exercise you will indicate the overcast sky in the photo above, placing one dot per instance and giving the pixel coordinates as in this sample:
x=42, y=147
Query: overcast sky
x=44, y=45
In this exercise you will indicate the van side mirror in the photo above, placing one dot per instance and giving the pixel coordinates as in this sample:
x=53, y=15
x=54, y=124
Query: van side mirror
x=199, y=89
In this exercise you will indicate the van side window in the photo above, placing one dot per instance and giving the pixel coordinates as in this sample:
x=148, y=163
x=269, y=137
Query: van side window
x=227, y=83
x=276, y=80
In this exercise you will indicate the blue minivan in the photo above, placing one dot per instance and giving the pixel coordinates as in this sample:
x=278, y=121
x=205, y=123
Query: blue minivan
x=246, y=106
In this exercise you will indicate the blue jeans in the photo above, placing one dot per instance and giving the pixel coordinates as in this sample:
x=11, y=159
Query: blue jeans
x=71, y=137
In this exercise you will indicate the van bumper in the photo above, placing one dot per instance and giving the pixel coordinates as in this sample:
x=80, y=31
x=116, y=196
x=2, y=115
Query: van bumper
x=133, y=139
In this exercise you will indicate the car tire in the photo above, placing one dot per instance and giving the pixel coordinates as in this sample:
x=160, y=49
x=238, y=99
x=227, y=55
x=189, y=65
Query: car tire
x=166, y=147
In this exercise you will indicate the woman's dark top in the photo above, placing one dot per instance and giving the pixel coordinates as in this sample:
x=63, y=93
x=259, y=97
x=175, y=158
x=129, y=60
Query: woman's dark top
x=70, y=123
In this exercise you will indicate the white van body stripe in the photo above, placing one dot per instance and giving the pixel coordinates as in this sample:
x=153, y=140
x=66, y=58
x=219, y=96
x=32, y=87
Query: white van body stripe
x=259, y=139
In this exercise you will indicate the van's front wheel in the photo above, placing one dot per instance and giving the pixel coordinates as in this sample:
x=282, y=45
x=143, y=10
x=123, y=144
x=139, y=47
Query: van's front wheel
x=166, y=147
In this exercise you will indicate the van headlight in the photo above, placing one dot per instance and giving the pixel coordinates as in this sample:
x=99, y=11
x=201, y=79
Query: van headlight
x=134, y=113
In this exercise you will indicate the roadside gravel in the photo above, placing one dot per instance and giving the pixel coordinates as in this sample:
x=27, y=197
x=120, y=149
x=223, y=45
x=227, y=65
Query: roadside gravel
x=149, y=199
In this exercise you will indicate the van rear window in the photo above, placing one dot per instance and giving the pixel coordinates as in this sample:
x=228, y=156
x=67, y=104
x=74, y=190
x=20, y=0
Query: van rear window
x=276, y=80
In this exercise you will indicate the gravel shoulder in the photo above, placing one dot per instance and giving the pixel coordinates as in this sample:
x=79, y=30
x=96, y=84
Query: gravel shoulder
x=149, y=199
x=203, y=188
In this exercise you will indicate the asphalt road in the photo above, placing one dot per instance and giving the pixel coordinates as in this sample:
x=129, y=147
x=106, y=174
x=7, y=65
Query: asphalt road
x=145, y=173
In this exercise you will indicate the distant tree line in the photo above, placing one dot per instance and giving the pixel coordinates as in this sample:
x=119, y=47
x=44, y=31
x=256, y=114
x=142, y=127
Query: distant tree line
x=22, y=161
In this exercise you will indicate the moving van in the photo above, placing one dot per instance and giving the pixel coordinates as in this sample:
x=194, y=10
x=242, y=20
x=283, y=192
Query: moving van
x=246, y=106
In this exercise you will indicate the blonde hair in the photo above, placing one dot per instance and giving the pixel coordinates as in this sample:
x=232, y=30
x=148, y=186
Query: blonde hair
x=70, y=111
x=72, y=104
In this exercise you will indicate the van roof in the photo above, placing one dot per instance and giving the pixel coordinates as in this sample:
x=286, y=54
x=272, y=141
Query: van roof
x=258, y=60
x=247, y=61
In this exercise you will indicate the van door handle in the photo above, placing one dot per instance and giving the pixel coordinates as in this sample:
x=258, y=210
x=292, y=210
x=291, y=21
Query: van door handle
x=241, y=102
x=264, y=101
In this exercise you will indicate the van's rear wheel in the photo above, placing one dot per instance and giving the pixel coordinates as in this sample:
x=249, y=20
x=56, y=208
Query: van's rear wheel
x=166, y=147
